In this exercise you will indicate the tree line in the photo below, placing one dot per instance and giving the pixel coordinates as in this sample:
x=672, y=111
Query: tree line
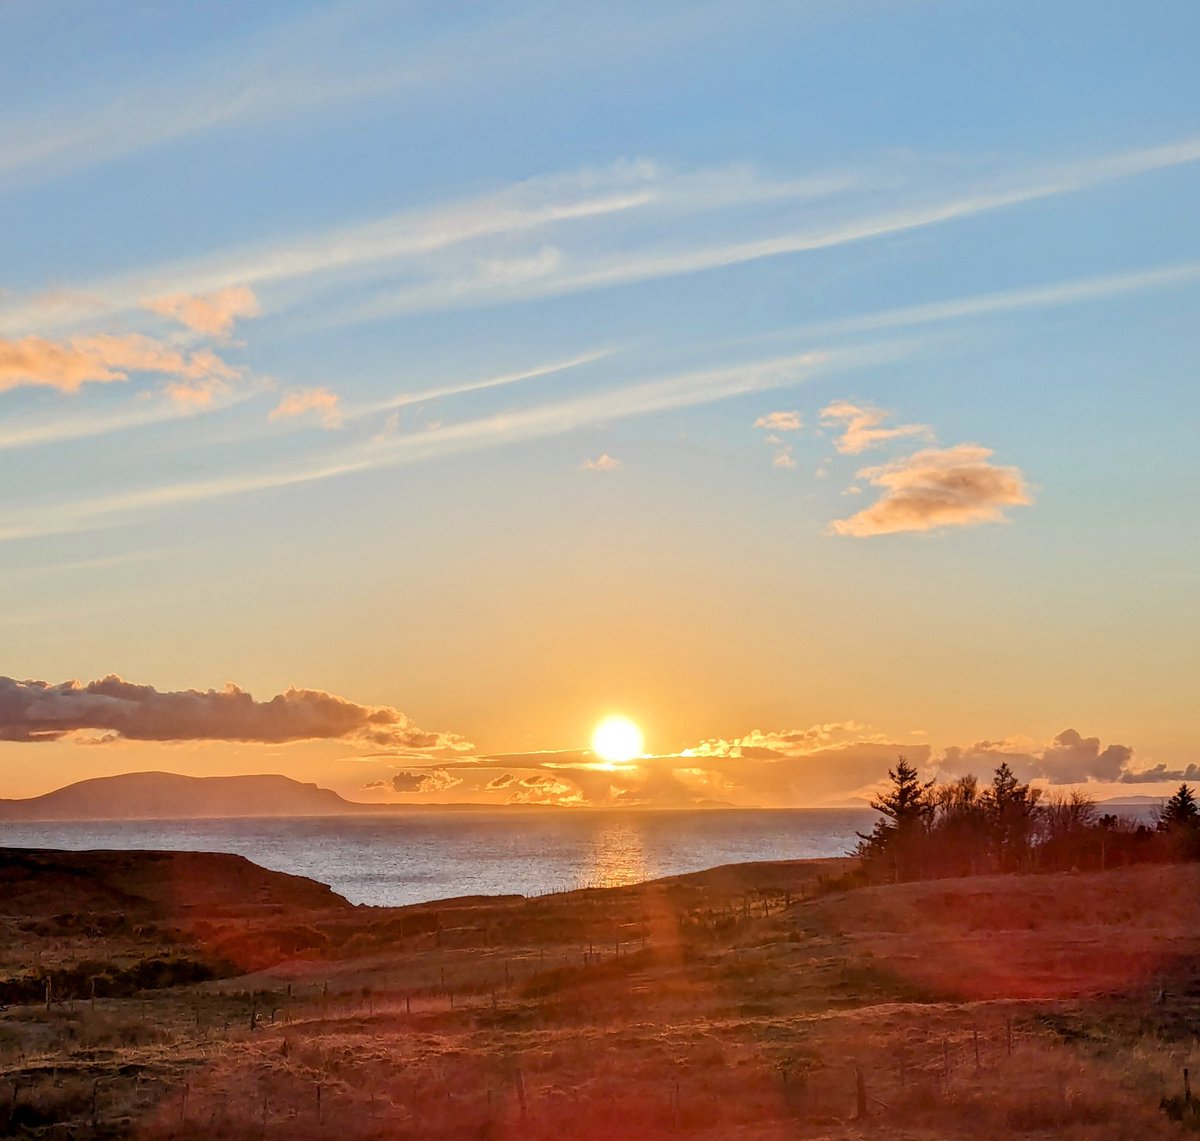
x=959, y=828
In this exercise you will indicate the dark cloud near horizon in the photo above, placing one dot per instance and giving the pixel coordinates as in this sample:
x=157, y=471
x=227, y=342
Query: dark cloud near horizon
x=430, y=780
x=1161, y=773
x=1069, y=759
x=40, y=711
x=744, y=771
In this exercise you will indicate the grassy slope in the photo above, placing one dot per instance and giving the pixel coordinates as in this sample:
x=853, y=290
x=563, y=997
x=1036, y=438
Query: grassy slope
x=740, y=1002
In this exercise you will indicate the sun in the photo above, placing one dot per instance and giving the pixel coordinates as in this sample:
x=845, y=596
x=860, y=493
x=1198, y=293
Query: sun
x=617, y=739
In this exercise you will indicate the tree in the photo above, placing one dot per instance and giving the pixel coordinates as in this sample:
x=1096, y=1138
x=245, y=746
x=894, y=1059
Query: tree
x=1180, y=813
x=906, y=808
x=1012, y=810
x=1177, y=824
x=958, y=827
x=1073, y=834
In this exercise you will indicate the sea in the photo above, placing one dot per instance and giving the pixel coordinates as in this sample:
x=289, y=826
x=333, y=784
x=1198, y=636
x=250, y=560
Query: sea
x=401, y=858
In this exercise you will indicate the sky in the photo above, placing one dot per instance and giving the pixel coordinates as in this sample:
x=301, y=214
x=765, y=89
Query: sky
x=390, y=391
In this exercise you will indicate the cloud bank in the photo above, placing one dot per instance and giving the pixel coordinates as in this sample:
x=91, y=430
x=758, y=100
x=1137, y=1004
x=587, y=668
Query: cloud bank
x=842, y=763
x=33, y=711
x=1070, y=758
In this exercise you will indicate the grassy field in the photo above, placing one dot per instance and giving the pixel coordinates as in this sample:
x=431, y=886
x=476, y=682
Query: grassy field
x=756, y=1001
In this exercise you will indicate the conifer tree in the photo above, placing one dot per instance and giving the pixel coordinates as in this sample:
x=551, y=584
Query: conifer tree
x=906, y=808
x=1012, y=809
x=1180, y=812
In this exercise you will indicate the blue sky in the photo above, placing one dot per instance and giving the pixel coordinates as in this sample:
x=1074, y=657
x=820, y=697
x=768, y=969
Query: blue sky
x=414, y=353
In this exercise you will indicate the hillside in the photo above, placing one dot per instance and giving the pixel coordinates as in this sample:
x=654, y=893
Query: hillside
x=35, y=883
x=756, y=1001
x=111, y=923
x=168, y=796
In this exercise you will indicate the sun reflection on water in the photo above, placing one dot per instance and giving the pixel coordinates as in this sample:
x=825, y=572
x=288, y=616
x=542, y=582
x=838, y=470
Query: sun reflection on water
x=618, y=855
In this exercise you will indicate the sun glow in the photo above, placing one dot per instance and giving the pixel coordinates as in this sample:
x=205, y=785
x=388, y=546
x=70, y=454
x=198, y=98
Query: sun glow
x=617, y=739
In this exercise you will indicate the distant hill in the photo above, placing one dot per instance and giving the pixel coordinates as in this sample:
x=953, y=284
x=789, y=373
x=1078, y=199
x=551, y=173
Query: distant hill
x=167, y=796
x=151, y=885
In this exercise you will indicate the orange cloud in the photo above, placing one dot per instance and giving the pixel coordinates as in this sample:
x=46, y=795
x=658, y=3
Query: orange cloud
x=787, y=742
x=212, y=313
x=302, y=400
x=546, y=789
x=780, y=422
x=430, y=780
x=196, y=394
x=862, y=426
x=34, y=711
x=949, y=487
x=605, y=462
x=99, y=359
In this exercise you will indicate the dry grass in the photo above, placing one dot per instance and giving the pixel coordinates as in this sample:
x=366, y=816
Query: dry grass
x=739, y=1003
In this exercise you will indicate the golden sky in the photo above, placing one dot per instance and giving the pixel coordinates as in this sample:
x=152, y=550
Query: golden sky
x=387, y=396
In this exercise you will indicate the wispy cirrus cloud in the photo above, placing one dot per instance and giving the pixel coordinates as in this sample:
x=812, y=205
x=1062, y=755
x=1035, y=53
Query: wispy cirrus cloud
x=1100, y=287
x=674, y=391
x=461, y=283
x=290, y=68
x=350, y=54
x=36, y=430
x=469, y=252
x=185, y=399
x=935, y=488
x=462, y=388
x=412, y=240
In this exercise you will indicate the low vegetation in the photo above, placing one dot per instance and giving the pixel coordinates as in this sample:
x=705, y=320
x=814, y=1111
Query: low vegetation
x=959, y=828
x=756, y=1001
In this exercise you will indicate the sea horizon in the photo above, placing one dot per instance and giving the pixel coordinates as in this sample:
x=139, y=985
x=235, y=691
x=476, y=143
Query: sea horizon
x=397, y=858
